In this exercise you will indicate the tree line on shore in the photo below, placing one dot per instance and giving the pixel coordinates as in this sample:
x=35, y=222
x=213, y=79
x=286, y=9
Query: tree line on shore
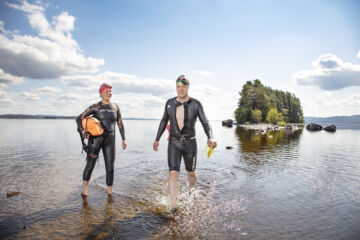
x=259, y=103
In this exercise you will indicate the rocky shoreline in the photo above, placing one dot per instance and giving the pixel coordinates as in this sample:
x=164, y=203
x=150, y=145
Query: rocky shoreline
x=264, y=127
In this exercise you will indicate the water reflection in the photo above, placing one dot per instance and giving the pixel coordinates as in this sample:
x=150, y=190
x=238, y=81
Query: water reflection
x=269, y=152
x=251, y=141
x=279, y=185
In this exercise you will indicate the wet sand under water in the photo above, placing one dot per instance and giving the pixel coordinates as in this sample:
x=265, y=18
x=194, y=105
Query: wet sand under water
x=141, y=213
x=277, y=185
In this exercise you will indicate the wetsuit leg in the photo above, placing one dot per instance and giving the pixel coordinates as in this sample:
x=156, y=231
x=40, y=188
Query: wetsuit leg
x=94, y=146
x=109, y=157
x=190, y=154
x=174, y=155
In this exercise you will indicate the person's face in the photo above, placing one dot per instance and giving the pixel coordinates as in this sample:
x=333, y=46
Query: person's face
x=182, y=90
x=106, y=94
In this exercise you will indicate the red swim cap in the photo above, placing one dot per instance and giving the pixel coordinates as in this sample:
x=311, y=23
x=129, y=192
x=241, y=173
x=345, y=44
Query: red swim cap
x=104, y=86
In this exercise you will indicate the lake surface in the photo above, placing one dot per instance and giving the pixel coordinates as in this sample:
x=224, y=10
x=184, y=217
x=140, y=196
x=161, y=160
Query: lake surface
x=278, y=185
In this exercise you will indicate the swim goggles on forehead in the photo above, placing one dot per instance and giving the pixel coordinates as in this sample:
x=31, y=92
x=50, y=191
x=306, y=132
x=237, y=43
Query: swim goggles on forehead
x=182, y=81
x=104, y=86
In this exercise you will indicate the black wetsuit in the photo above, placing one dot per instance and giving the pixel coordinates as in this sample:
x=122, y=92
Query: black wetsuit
x=109, y=115
x=183, y=143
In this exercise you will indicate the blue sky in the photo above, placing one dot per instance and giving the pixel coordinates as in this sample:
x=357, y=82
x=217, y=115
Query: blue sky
x=54, y=54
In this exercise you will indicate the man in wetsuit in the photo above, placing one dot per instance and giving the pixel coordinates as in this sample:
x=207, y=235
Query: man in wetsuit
x=182, y=111
x=109, y=115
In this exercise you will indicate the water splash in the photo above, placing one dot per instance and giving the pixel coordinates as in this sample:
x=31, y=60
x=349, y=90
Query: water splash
x=201, y=216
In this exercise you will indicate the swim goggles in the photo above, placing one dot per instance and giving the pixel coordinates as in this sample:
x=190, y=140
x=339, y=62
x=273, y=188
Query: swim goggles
x=182, y=80
x=104, y=86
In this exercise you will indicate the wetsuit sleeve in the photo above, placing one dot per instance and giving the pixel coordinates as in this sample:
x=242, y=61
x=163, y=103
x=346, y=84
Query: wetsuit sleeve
x=163, y=124
x=90, y=110
x=204, y=121
x=120, y=123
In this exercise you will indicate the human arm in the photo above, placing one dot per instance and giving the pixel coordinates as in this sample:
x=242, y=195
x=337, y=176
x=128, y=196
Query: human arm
x=162, y=127
x=206, y=125
x=83, y=135
x=89, y=111
x=121, y=127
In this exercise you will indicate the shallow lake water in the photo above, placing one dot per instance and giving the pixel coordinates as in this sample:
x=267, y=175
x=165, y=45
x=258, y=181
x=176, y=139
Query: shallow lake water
x=278, y=185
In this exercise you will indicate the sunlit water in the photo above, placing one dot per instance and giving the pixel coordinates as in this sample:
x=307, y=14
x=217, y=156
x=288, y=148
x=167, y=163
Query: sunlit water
x=278, y=185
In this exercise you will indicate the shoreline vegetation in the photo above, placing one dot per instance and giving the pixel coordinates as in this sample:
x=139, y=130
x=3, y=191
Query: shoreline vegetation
x=262, y=104
x=353, y=119
x=263, y=127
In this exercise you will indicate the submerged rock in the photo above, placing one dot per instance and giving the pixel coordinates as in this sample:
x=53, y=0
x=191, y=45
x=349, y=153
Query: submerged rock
x=229, y=147
x=313, y=127
x=11, y=194
x=227, y=123
x=330, y=128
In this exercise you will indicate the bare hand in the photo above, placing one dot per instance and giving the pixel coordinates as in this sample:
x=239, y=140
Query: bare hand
x=156, y=145
x=211, y=143
x=124, y=144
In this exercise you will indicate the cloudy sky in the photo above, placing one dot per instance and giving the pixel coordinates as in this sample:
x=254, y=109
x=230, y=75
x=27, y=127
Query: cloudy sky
x=54, y=54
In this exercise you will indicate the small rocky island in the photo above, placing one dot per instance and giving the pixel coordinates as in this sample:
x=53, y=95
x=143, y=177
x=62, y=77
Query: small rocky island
x=263, y=127
x=263, y=109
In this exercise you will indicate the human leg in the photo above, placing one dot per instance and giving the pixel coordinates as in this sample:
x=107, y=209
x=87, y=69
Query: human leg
x=109, y=158
x=94, y=146
x=190, y=157
x=173, y=187
x=174, y=160
x=191, y=178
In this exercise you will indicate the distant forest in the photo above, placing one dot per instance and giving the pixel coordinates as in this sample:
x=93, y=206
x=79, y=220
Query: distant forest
x=258, y=103
x=354, y=119
x=27, y=116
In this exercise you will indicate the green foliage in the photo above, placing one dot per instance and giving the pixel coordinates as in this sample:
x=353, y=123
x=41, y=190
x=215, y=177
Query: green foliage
x=274, y=117
x=254, y=95
x=256, y=115
x=241, y=114
x=281, y=124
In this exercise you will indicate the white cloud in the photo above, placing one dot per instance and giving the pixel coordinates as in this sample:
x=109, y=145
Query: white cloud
x=358, y=55
x=146, y=97
x=47, y=90
x=327, y=61
x=70, y=97
x=352, y=101
x=64, y=22
x=203, y=73
x=3, y=94
x=330, y=73
x=26, y=7
x=326, y=105
x=6, y=99
x=52, y=54
x=4, y=102
x=140, y=105
x=30, y=96
x=120, y=82
x=6, y=78
x=206, y=89
x=2, y=29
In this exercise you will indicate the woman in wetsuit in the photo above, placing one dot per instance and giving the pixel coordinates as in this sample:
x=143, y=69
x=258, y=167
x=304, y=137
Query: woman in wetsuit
x=109, y=115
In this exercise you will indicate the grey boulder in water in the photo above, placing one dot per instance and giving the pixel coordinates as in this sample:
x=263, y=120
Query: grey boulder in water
x=313, y=127
x=330, y=128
